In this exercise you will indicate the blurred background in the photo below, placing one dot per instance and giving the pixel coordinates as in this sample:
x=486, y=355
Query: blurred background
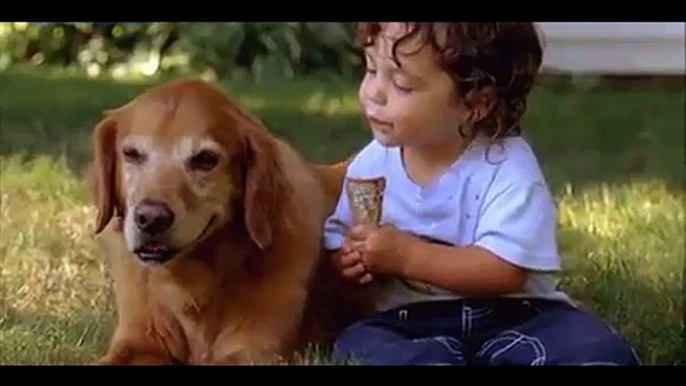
x=606, y=120
x=225, y=50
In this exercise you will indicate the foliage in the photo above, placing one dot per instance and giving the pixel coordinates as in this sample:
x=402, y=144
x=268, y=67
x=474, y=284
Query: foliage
x=263, y=51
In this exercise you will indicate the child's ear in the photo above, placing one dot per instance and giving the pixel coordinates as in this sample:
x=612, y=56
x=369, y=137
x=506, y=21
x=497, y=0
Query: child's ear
x=480, y=103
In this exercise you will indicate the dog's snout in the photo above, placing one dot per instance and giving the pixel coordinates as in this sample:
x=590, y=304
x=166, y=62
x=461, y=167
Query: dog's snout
x=153, y=216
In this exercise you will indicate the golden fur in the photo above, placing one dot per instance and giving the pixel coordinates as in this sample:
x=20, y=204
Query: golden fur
x=248, y=283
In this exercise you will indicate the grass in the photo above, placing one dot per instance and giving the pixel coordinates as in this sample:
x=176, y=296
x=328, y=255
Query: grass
x=614, y=158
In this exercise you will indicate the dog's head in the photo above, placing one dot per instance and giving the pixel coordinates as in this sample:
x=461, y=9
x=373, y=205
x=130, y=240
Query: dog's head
x=181, y=161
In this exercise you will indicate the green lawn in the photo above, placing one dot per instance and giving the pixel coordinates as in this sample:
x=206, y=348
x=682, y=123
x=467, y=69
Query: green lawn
x=614, y=157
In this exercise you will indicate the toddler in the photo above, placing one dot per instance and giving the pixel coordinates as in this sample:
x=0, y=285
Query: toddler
x=466, y=244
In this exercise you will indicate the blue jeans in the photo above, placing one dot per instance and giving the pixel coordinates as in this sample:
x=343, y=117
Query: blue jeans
x=484, y=332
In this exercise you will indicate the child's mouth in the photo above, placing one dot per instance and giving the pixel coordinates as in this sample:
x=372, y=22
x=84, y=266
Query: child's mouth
x=379, y=123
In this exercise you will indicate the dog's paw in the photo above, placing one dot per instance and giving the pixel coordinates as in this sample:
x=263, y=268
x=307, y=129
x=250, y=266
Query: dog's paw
x=126, y=356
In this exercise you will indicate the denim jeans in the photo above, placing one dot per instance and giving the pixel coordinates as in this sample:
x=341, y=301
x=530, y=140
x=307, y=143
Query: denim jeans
x=484, y=332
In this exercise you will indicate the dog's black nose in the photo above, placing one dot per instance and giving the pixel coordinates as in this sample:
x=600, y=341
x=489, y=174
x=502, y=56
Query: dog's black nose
x=153, y=216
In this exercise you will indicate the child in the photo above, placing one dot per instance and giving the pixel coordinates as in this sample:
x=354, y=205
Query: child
x=468, y=223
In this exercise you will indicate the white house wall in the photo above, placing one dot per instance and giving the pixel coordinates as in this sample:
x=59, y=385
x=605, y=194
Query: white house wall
x=614, y=48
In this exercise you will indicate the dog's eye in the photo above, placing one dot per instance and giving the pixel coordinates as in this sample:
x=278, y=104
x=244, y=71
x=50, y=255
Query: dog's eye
x=205, y=161
x=134, y=156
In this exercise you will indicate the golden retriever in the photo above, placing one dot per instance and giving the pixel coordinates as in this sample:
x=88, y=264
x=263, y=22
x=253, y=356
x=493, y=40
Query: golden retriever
x=213, y=228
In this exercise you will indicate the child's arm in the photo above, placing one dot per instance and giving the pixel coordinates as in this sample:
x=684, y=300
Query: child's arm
x=516, y=233
x=470, y=271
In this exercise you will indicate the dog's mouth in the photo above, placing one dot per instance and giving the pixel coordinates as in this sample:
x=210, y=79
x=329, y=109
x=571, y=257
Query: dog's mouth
x=155, y=252
x=158, y=252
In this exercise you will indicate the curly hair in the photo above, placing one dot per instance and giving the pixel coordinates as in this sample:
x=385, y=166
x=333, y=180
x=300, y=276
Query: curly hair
x=505, y=56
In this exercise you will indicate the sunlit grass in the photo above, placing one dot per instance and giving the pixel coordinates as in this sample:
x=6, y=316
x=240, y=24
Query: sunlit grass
x=624, y=251
x=56, y=303
x=49, y=262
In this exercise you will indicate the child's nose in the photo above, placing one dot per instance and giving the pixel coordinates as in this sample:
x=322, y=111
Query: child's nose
x=376, y=95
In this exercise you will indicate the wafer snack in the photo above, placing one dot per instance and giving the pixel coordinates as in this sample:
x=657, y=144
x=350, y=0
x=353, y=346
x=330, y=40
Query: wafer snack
x=365, y=196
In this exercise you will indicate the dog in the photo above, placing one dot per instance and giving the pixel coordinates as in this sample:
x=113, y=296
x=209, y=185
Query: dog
x=212, y=228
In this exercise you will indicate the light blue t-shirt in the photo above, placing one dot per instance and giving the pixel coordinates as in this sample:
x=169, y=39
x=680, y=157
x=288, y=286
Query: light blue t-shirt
x=494, y=197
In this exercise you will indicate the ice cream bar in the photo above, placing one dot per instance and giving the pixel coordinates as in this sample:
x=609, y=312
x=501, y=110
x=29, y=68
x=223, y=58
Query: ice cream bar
x=365, y=196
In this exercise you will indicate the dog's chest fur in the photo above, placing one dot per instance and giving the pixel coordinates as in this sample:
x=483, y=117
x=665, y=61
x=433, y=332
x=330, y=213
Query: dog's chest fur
x=194, y=310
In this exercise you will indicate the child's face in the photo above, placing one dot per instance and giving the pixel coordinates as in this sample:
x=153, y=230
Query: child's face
x=410, y=106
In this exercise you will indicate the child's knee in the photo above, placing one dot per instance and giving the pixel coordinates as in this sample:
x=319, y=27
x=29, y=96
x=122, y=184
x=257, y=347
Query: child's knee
x=601, y=344
x=348, y=340
x=598, y=344
x=610, y=349
x=560, y=335
x=354, y=340
x=371, y=344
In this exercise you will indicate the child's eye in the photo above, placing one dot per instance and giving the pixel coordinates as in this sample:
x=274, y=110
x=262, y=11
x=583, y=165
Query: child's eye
x=402, y=88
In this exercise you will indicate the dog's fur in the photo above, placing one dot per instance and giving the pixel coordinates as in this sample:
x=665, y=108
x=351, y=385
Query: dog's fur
x=248, y=283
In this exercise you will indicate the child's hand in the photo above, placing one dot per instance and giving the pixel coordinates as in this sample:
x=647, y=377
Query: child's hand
x=383, y=249
x=349, y=263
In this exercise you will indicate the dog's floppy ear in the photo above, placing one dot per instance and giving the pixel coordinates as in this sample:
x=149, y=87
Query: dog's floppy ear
x=265, y=185
x=104, y=169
